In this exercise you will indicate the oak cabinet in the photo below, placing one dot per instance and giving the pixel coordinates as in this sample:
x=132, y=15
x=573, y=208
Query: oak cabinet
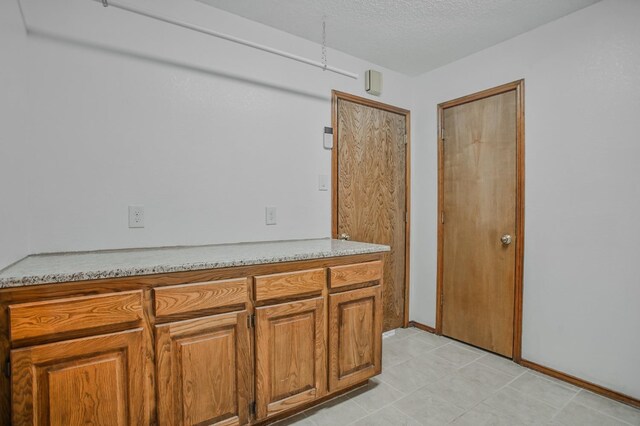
x=95, y=380
x=290, y=355
x=204, y=371
x=355, y=336
x=239, y=346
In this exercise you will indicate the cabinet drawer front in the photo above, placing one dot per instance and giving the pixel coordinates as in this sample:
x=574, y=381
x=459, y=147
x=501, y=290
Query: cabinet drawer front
x=341, y=276
x=46, y=318
x=185, y=298
x=290, y=284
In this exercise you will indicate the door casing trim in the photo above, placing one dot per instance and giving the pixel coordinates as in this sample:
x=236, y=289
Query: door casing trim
x=518, y=86
x=335, y=96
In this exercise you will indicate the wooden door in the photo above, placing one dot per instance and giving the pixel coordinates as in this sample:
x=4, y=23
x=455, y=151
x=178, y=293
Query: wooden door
x=96, y=380
x=355, y=336
x=371, y=204
x=479, y=221
x=290, y=355
x=204, y=372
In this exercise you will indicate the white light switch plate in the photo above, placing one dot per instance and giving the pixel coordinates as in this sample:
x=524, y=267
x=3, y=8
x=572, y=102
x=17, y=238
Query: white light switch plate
x=136, y=216
x=270, y=215
x=323, y=183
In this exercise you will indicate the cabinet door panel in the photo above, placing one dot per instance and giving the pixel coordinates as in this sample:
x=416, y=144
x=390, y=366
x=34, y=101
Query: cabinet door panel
x=93, y=380
x=355, y=330
x=204, y=371
x=290, y=355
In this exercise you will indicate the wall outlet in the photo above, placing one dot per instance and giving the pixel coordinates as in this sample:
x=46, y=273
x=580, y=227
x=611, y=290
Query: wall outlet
x=323, y=183
x=136, y=216
x=270, y=215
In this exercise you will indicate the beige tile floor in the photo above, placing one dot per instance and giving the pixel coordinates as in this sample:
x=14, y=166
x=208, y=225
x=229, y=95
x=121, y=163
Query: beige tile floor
x=432, y=380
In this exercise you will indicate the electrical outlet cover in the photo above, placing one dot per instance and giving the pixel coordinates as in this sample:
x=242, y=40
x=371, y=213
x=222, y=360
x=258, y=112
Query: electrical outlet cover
x=270, y=215
x=136, y=216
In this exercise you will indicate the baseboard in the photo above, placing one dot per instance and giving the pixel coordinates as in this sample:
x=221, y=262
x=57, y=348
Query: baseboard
x=582, y=383
x=422, y=327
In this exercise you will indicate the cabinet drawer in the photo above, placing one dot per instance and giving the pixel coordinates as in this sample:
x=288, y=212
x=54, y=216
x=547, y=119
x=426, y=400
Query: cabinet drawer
x=290, y=284
x=185, y=298
x=340, y=276
x=46, y=318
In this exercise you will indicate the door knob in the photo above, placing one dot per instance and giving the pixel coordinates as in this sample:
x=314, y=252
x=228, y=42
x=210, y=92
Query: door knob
x=345, y=237
x=506, y=239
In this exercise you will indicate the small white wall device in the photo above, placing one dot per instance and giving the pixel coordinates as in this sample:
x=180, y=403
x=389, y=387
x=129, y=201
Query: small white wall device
x=327, y=141
x=373, y=82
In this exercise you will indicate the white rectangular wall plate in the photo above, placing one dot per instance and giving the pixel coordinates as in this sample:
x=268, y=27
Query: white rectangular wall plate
x=327, y=141
x=136, y=216
x=323, y=183
x=373, y=82
x=270, y=215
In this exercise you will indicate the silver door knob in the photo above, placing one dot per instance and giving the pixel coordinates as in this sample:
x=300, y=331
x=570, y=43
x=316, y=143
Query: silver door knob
x=506, y=239
x=345, y=237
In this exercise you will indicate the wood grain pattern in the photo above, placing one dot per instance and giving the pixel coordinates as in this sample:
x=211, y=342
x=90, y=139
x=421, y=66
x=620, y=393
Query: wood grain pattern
x=93, y=380
x=289, y=284
x=518, y=87
x=290, y=355
x=59, y=316
x=180, y=299
x=303, y=407
x=355, y=336
x=346, y=275
x=370, y=176
x=479, y=207
x=96, y=385
x=147, y=284
x=204, y=371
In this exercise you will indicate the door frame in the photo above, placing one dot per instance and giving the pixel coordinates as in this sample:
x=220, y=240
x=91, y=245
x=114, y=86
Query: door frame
x=335, y=96
x=518, y=86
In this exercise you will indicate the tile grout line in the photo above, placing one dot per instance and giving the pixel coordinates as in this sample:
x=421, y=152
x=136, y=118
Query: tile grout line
x=490, y=395
x=599, y=411
x=526, y=370
x=482, y=355
x=563, y=407
x=579, y=390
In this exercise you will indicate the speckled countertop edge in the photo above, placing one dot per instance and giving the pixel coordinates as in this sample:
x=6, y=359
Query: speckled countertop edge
x=295, y=251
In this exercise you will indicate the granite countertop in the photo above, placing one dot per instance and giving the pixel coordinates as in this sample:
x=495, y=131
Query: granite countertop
x=79, y=266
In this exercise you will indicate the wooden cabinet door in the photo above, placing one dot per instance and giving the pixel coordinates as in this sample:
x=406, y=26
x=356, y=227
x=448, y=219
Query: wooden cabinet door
x=98, y=380
x=290, y=355
x=355, y=342
x=204, y=371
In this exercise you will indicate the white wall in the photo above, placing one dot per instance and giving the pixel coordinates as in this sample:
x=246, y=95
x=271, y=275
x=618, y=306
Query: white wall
x=581, y=277
x=204, y=133
x=13, y=164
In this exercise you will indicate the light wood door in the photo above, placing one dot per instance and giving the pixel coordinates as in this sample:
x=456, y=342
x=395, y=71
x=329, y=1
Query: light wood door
x=371, y=191
x=355, y=336
x=96, y=380
x=204, y=371
x=479, y=208
x=290, y=355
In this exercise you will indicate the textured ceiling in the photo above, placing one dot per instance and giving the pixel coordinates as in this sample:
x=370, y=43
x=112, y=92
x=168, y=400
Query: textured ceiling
x=410, y=36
